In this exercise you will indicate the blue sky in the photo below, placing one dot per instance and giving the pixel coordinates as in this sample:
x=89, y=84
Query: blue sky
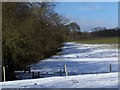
x=90, y=14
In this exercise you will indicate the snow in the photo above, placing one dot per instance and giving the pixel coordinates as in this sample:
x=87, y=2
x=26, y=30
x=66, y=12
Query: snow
x=81, y=58
x=108, y=80
x=87, y=66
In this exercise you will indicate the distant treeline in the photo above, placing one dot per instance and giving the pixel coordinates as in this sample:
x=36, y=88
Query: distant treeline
x=114, y=32
x=99, y=33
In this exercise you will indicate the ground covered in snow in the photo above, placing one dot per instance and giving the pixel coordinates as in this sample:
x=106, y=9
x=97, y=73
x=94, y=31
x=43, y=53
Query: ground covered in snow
x=87, y=66
x=108, y=80
x=81, y=58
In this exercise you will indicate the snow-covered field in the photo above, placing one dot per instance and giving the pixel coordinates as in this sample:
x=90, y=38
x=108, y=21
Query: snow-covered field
x=81, y=60
x=108, y=80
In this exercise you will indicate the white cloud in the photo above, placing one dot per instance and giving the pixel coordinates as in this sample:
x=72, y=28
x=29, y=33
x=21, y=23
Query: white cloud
x=90, y=8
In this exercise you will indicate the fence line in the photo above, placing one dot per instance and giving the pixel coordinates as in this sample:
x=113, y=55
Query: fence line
x=61, y=72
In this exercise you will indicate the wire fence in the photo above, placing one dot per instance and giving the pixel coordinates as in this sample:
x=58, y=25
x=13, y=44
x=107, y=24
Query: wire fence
x=32, y=74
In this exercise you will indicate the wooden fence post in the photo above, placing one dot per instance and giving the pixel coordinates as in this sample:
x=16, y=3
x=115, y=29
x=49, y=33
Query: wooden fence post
x=4, y=78
x=65, y=69
x=32, y=75
x=29, y=69
x=38, y=74
x=110, y=67
x=60, y=72
x=24, y=71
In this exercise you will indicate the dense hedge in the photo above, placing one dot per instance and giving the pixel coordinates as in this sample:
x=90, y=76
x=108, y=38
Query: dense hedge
x=31, y=33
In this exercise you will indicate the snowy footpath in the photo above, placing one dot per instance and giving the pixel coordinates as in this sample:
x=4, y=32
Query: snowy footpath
x=87, y=66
